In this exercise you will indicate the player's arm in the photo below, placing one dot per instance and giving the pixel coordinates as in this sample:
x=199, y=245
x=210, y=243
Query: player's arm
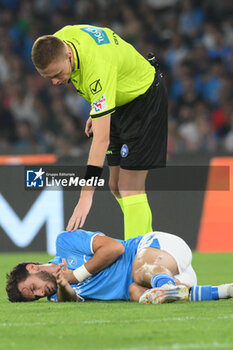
x=99, y=146
x=106, y=251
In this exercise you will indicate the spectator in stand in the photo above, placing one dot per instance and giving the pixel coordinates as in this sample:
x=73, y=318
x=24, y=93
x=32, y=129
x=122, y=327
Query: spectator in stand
x=228, y=140
x=193, y=40
x=191, y=19
x=7, y=125
x=221, y=118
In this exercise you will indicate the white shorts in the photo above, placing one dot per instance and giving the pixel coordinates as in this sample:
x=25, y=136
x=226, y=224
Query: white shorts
x=177, y=248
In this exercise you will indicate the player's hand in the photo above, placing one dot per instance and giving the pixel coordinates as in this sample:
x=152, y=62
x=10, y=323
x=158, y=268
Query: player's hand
x=80, y=213
x=60, y=278
x=88, y=127
x=67, y=274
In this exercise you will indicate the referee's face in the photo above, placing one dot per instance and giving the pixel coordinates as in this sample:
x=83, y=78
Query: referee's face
x=58, y=71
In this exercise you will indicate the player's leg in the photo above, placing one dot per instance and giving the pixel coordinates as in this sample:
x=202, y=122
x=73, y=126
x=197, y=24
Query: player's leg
x=158, y=268
x=187, y=277
x=160, y=252
x=174, y=277
x=204, y=293
x=135, y=291
x=154, y=267
x=137, y=212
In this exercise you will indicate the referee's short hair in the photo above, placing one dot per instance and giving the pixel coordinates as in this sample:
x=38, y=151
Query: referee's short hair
x=46, y=49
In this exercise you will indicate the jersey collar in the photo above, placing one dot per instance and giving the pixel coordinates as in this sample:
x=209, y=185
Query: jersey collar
x=75, y=54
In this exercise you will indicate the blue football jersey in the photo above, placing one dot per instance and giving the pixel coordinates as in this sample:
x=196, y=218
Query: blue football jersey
x=113, y=282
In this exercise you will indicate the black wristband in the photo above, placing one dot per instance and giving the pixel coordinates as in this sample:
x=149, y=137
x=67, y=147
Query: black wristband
x=93, y=171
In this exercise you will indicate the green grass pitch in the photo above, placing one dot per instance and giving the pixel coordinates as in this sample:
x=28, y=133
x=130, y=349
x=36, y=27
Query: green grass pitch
x=119, y=325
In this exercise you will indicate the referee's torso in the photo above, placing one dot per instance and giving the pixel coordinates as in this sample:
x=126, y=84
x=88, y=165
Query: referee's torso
x=108, y=72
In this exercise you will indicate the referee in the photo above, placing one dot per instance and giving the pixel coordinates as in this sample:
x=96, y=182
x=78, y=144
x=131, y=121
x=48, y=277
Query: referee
x=128, y=116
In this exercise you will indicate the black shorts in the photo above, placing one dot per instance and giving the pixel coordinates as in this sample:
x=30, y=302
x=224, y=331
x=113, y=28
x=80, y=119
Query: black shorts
x=138, y=136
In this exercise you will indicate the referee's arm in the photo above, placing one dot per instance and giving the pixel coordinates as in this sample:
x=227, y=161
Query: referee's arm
x=100, y=142
x=97, y=153
x=99, y=146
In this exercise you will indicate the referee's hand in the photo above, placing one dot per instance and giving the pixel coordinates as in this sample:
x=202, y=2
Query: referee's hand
x=80, y=212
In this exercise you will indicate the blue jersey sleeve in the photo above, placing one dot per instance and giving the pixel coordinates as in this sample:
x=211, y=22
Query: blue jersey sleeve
x=56, y=260
x=79, y=241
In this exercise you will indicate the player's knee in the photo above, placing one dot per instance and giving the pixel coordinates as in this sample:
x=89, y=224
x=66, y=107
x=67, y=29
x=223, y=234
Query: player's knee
x=144, y=273
x=138, y=276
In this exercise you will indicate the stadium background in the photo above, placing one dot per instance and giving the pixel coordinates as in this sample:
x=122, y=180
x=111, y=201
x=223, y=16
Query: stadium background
x=193, y=40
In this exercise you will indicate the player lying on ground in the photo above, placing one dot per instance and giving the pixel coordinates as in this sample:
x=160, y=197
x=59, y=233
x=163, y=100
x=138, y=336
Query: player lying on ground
x=155, y=268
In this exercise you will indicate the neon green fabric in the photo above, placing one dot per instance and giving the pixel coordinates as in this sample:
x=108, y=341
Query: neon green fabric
x=108, y=72
x=120, y=201
x=137, y=215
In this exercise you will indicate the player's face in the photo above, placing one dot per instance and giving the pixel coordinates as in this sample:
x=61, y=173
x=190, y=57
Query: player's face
x=58, y=71
x=38, y=285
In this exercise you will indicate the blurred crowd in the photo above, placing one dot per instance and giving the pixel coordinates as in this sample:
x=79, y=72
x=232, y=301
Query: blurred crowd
x=193, y=41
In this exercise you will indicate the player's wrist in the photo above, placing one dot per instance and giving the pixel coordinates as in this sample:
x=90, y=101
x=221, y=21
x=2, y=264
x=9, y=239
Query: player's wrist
x=81, y=273
x=63, y=284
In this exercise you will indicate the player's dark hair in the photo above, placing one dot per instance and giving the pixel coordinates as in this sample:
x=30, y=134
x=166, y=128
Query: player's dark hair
x=45, y=50
x=18, y=274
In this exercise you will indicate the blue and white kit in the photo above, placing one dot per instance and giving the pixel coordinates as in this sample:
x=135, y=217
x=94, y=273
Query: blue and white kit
x=113, y=282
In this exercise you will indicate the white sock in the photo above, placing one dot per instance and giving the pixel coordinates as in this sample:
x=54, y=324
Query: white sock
x=223, y=291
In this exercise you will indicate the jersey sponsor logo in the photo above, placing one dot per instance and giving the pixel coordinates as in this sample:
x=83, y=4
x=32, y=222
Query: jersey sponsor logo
x=100, y=105
x=124, y=151
x=95, y=87
x=97, y=34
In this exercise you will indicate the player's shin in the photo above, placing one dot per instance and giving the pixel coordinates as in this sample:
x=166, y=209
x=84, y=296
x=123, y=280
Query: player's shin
x=160, y=279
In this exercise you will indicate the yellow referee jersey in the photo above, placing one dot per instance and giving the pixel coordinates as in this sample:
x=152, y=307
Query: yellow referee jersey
x=108, y=72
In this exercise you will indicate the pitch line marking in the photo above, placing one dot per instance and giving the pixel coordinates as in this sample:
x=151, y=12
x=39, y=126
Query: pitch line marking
x=185, y=318
x=214, y=345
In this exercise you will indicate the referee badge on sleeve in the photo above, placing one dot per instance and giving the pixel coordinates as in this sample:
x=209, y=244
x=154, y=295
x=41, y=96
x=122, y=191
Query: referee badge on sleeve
x=124, y=151
x=95, y=87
